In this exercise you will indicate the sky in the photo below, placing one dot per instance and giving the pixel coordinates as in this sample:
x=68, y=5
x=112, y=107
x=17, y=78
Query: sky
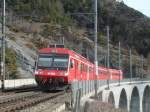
x=141, y=5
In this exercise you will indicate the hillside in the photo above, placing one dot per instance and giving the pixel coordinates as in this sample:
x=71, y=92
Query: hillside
x=127, y=24
x=40, y=22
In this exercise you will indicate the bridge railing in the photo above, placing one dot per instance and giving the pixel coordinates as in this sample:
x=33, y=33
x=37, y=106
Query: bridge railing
x=81, y=89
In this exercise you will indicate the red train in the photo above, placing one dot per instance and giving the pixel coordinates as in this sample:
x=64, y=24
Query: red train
x=58, y=67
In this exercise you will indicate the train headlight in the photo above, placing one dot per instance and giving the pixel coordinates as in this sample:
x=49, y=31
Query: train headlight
x=66, y=74
x=62, y=73
x=49, y=73
x=36, y=72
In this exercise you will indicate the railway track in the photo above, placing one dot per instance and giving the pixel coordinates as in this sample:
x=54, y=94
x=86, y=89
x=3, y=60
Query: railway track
x=57, y=104
x=19, y=101
x=16, y=91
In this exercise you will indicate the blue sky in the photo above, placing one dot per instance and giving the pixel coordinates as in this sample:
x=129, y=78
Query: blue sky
x=141, y=5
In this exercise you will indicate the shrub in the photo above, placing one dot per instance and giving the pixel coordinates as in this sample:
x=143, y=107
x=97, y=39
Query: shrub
x=11, y=67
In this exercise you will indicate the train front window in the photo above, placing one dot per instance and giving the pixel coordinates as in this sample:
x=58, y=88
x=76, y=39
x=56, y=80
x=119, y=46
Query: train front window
x=60, y=62
x=45, y=61
x=53, y=62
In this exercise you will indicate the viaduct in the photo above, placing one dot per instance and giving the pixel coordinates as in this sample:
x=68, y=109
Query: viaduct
x=133, y=96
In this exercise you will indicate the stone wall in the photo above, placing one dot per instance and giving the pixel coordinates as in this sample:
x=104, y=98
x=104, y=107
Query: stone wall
x=98, y=106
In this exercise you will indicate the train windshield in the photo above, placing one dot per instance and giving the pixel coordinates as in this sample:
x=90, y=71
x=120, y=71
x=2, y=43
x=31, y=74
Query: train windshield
x=53, y=62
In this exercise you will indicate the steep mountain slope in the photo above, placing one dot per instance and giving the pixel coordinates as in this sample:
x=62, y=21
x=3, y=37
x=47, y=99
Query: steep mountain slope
x=129, y=26
x=24, y=56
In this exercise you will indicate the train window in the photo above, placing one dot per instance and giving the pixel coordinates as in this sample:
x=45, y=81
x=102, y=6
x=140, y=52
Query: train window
x=79, y=66
x=99, y=72
x=85, y=68
x=88, y=70
x=82, y=67
x=45, y=61
x=71, y=63
x=53, y=61
x=60, y=62
x=92, y=70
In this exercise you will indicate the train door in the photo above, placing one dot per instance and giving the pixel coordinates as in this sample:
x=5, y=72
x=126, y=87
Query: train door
x=71, y=69
x=76, y=69
x=88, y=73
x=85, y=72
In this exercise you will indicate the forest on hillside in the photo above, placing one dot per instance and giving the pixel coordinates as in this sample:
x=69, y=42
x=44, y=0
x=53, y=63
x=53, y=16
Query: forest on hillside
x=127, y=25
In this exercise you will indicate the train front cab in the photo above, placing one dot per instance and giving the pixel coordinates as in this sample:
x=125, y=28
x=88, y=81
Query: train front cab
x=52, y=70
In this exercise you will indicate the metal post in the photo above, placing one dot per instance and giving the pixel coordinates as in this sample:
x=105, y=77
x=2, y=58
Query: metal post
x=130, y=65
x=96, y=62
x=142, y=69
x=105, y=59
x=108, y=53
x=63, y=41
x=119, y=61
x=3, y=49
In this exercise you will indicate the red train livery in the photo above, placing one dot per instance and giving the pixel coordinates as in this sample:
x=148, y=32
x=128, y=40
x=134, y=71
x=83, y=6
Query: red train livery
x=58, y=67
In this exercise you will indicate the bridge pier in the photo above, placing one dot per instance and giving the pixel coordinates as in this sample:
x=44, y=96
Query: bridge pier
x=111, y=99
x=135, y=101
x=146, y=100
x=123, y=100
x=105, y=95
x=141, y=108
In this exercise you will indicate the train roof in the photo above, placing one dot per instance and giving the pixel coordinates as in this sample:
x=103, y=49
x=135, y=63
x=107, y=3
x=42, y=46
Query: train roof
x=54, y=50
